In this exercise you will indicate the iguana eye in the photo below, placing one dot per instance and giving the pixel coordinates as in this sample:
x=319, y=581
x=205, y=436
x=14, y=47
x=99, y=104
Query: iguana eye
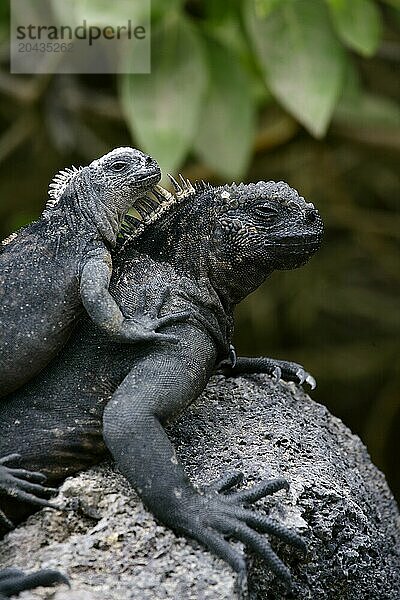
x=266, y=211
x=118, y=166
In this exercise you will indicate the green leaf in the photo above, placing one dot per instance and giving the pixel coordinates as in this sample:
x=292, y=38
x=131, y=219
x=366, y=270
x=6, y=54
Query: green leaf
x=224, y=139
x=227, y=30
x=163, y=108
x=301, y=58
x=358, y=24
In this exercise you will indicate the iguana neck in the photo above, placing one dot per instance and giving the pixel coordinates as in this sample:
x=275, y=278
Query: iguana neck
x=87, y=211
x=229, y=288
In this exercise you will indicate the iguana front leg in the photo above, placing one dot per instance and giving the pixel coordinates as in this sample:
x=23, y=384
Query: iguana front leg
x=279, y=369
x=160, y=385
x=22, y=485
x=105, y=312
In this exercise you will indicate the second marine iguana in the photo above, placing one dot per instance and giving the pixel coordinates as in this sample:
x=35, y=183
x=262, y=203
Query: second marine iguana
x=56, y=266
x=216, y=246
x=52, y=268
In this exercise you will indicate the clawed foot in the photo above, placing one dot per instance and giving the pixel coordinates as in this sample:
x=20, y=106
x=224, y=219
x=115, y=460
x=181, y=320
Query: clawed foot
x=145, y=327
x=224, y=513
x=277, y=369
x=14, y=581
x=289, y=371
x=22, y=485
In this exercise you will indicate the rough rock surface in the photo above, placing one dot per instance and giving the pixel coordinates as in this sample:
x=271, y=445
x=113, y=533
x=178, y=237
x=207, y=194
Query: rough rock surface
x=111, y=547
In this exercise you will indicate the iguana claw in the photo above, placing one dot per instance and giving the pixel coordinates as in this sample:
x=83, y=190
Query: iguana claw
x=232, y=355
x=301, y=374
x=277, y=374
x=311, y=381
x=277, y=369
x=22, y=485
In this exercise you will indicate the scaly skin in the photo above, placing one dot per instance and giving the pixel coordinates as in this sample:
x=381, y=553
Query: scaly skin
x=55, y=267
x=52, y=268
x=213, y=249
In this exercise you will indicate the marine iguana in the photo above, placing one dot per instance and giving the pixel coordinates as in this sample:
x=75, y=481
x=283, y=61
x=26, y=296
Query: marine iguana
x=216, y=246
x=52, y=268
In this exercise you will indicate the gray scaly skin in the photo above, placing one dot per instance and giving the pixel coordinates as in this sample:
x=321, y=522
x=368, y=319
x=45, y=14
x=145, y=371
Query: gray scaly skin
x=61, y=263
x=211, y=250
x=52, y=268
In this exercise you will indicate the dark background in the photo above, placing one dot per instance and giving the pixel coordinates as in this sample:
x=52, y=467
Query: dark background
x=301, y=90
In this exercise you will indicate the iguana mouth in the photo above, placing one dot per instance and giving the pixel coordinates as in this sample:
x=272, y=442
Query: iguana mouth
x=153, y=179
x=150, y=207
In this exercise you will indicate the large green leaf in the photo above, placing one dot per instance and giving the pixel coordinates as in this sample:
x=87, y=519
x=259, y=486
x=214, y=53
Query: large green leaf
x=301, y=58
x=163, y=109
x=225, y=136
x=358, y=24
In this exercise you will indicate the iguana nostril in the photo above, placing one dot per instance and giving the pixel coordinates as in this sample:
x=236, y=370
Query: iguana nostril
x=149, y=160
x=312, y=216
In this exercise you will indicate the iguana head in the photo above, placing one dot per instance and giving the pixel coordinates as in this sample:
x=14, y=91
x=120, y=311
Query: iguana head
x=260, y=228
x=266, y=222
x=236, y=235
x=106, y=189
x=123, y=175
x=120, y=175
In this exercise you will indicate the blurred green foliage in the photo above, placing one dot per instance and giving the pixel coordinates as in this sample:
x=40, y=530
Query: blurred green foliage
x=212, y=74
x=301, y=90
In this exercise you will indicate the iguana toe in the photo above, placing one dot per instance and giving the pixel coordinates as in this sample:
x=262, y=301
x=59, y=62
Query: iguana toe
x=23, y=485
x=225, y=513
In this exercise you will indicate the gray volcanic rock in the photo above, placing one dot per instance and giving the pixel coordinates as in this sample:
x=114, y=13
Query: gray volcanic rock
x=111, y=547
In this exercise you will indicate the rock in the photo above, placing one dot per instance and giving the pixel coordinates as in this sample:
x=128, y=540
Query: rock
x=111, y=547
